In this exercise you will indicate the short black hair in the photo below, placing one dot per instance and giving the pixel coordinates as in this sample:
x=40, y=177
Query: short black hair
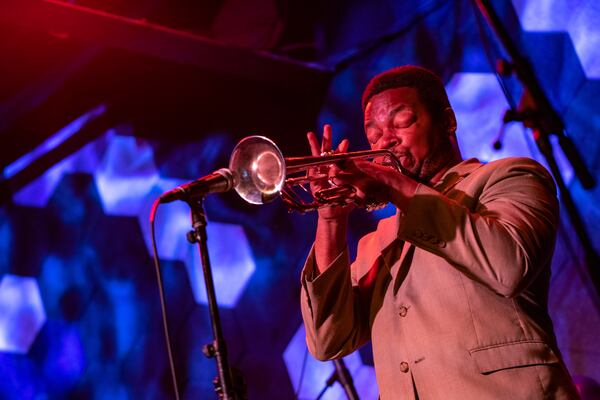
x=428, y=85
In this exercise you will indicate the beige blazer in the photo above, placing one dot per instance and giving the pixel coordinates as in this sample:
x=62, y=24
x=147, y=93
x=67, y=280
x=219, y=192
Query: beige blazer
x=453, y=293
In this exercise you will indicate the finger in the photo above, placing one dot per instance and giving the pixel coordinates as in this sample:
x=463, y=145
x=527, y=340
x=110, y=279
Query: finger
x=326, y=144
x=313, y=142
x=374, y=171
x=344, y=178
x=364, y=167
x=356, y=170
x=343, y=146
x=348, y=179
x=333, y=170
x=361, y=164
x=348, y=165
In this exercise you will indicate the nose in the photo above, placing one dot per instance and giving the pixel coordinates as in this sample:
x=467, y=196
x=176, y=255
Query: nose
x=388, y=140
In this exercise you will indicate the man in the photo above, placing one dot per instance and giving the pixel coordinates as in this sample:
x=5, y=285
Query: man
x=452, y=290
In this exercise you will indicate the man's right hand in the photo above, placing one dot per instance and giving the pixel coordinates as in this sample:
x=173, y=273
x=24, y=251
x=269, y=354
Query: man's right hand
x=330, y=239
x=335, y=213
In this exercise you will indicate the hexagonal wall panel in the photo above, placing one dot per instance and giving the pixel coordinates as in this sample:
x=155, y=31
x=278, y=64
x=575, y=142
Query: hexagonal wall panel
x=38, y=192
x=128, y=182
x=231, y=256
x=21, y=313
x=126, y=174
x=479, y=104
x=61, y=357
x=229, y=250
x=309, y=375
x=579, y=18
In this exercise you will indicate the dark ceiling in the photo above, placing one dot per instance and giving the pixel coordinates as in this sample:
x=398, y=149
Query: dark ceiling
x=171, y=69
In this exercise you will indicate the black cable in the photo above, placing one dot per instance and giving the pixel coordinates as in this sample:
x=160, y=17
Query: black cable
x=162, y=299
x=302, y=369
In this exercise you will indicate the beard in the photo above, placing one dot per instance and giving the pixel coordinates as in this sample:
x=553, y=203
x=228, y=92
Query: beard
x=439, y=158
x=409, y=164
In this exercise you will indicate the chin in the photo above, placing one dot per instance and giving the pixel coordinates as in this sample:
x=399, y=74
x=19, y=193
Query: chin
x=409, y=165
x=410, y=172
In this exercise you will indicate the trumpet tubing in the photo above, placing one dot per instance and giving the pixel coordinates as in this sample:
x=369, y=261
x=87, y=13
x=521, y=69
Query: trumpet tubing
x=261, y=174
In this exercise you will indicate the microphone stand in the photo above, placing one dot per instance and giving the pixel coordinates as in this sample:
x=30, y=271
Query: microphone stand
x=536, y=112
x=342, y=375
x=226, y=387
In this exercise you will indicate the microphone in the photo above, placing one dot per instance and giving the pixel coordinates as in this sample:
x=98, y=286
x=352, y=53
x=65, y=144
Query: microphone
x=219, y=181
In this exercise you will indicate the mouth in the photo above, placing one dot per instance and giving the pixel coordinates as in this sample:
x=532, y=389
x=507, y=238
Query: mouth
x=401, y=156
x=407, y=162
x=393, y=163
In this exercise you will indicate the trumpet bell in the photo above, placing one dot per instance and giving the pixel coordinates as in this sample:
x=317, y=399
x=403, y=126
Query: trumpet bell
x=258, y=168
x=261, y=174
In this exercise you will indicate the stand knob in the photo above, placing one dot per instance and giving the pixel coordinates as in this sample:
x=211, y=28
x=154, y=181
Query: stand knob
x=209, y=350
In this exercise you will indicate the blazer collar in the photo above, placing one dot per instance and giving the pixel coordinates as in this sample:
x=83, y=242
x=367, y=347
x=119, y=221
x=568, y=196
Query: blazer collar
x=456, y=174
x=388, y=228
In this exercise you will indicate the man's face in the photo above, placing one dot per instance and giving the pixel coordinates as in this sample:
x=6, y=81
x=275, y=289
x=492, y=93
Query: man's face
x=397, y=120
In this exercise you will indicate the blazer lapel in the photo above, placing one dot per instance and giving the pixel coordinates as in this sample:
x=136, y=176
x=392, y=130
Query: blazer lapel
x=393, y=251
x=456, y=174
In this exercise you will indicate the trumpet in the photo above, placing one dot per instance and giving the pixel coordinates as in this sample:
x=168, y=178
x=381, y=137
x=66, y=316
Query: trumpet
x=261, y=173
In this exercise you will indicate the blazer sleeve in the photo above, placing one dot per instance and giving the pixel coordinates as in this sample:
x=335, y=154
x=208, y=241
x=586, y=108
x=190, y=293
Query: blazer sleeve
x=503, y=241
x=331, y=310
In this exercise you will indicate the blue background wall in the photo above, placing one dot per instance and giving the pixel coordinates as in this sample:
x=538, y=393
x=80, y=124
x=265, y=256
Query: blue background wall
x=79, y=312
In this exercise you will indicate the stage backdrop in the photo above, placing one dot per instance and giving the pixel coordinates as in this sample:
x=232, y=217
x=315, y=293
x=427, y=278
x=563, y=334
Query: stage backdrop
x=79, y=308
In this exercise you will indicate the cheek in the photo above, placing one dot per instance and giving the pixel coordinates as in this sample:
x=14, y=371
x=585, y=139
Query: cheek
x=423, y=149
x=418, y=146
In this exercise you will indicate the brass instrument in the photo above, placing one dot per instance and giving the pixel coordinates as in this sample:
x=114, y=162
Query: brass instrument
x=261, y=173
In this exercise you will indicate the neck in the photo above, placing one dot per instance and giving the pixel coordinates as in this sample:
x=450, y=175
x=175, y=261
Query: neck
x=447, y=156
x=439, y=174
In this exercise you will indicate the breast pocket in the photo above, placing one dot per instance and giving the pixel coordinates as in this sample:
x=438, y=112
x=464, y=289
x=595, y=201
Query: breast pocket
x=493, y=358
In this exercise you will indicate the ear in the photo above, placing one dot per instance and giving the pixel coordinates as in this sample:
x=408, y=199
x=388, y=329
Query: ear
x=449, y=121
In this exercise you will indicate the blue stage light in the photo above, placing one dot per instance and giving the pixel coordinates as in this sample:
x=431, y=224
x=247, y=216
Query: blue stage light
x=66, y=285
x=477, y=96
x=129, y=320
x=127, y=173
x=21, y=377
x=6, y=242
x=577, y=17
x=312, y=374
x=87, y=159
x=22, y=313
x=232, y=262
x=230, y=252
x=64, y=362
x=53, y=141
x=479, y=104
x=128, y=182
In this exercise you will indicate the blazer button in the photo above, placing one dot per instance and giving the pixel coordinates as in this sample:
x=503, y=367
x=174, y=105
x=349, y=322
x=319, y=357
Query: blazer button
x=418, y=233
x=404, y=367
x=402, y=311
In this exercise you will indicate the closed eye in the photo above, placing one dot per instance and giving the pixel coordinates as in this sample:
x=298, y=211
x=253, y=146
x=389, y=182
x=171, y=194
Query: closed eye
x=373, y=135
x=404, y=118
